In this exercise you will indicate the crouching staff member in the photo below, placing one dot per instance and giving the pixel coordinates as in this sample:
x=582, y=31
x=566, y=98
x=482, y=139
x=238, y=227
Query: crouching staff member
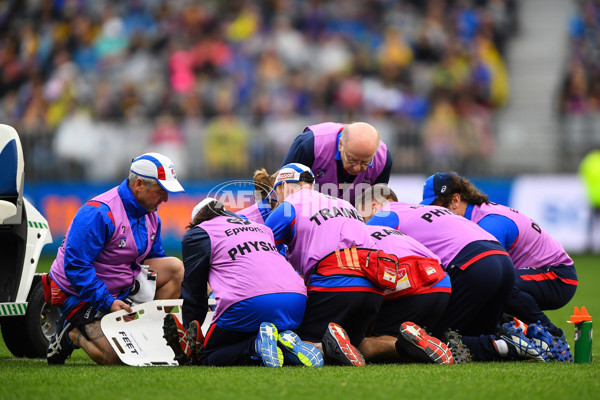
x=545, y=274
x=421, y=295
x=481, y=271
x=110, y=237
x=259, y=296
x=327, y=240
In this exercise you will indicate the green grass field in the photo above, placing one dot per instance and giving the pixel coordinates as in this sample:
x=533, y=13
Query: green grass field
x=80, y=378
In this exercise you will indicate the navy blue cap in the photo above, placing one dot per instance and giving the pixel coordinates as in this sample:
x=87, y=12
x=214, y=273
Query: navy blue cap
x=435, y=185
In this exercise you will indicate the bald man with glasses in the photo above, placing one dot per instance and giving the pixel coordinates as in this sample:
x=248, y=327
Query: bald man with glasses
x=345, y=158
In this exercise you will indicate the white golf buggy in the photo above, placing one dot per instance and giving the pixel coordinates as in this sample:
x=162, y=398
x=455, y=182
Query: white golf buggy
x=26, y=321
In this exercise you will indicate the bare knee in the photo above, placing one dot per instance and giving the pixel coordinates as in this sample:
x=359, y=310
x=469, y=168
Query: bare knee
x=174, y=272
x=170, y=273
x=178, y=270
x=169, y=269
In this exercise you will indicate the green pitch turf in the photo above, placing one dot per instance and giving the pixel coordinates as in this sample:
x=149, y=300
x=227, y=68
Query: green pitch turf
x=80, y=378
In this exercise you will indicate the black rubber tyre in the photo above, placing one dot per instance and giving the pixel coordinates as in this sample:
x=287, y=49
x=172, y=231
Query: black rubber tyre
x=29, y=335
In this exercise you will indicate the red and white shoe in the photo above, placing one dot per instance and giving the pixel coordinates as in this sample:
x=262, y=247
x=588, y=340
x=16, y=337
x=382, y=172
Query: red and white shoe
x=415, y=343
x=337, y=348
x=195, y=340
x=177, y=338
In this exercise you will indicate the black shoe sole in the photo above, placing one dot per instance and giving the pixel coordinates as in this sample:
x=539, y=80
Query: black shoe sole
x=172, y=337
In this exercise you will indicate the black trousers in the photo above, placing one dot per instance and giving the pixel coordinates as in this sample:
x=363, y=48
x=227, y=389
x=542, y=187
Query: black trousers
x=479, y=296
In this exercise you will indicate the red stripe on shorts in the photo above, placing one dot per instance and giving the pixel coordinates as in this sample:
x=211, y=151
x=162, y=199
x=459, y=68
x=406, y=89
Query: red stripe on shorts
x=548, y=276
x=483, y=255
x=209, y=332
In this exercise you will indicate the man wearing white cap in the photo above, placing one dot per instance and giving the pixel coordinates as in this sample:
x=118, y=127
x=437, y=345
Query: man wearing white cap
x=113, y=238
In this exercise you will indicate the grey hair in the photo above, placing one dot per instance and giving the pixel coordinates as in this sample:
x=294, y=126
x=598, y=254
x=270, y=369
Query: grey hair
x=133, y=177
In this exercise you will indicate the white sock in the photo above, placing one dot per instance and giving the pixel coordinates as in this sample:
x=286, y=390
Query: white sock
x=501, y=347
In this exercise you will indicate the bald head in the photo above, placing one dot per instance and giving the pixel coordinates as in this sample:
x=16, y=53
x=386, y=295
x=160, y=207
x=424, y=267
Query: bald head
x=358, y=145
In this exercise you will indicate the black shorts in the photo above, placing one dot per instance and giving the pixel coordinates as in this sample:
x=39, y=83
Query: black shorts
x=479, y=296
x=82, y=314
x=353, y=311
x=424, y=310
x=223, y=347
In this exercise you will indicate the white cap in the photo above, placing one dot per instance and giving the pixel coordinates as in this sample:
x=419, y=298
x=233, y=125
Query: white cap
x=158, y=167
x=201, y=205
x=290, y=173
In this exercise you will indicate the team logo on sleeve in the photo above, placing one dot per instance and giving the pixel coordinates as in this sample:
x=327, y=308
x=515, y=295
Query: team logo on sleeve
x=152, y=237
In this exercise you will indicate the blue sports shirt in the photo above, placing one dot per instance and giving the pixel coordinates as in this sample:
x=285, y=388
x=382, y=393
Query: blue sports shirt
x=502, y=228
x=90, y=230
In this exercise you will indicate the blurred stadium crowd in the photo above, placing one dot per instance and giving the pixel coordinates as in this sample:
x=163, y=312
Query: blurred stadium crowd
x=223, y=87
x=579, y=95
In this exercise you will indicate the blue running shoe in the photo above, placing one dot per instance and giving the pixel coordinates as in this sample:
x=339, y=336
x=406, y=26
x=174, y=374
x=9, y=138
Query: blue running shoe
x=564, y=349
x=297, y=352
x=519, y=345
x=266, y=345
x=60, y=347
x=551, y=347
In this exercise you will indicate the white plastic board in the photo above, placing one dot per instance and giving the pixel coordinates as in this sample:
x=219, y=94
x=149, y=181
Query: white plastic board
x=140, y=342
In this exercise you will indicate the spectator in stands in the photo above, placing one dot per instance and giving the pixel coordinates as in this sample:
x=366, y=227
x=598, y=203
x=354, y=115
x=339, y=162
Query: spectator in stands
x=440, y=134
x=226, y=139
x=317, y=59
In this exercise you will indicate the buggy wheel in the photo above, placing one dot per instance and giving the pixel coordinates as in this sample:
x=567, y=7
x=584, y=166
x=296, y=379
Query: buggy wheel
x=29, y=335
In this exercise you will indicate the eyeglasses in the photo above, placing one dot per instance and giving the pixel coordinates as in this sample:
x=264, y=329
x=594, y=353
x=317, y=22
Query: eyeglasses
x=353, y=163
